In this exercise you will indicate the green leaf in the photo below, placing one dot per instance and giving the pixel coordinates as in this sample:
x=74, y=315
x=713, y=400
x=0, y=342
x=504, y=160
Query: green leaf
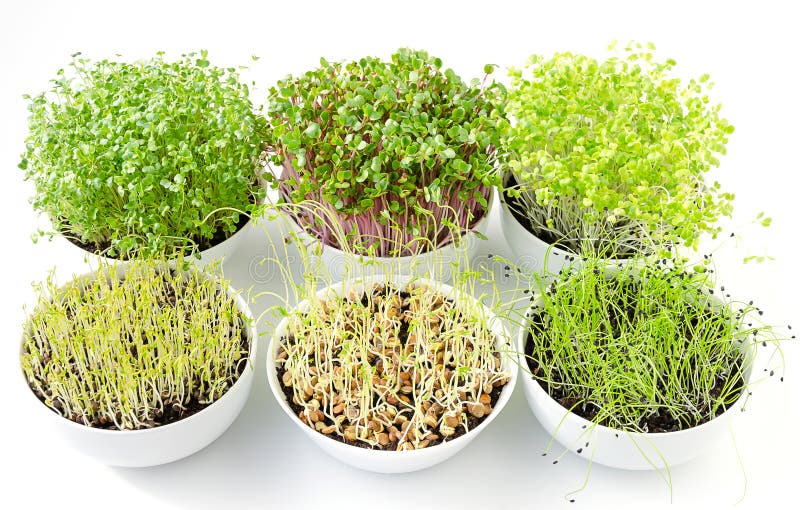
x=313, y=130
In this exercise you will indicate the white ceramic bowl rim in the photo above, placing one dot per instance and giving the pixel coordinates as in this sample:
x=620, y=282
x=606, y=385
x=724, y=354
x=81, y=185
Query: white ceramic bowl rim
x=491, y=320
x=521, y=341
x=478, y=224
x=552, y=248
x=239, y=232
x=252, y=334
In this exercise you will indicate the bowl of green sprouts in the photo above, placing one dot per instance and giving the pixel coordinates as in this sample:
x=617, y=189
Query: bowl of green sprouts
x=139, y=364
x=393, y=158
x=639, y=367
x=608, y=158
x=391, y=373
x=146, y=158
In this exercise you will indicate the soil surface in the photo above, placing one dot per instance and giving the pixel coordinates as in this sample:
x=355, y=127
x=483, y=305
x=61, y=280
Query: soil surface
x=472, y=422
x=662, y=421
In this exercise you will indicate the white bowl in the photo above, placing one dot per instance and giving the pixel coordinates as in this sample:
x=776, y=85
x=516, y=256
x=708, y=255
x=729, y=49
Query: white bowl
x=219, y=252
x=439, y=264
x=381, y=461
x=617, y=448
x=166, y=443
x=534, y=255
x=529, y=252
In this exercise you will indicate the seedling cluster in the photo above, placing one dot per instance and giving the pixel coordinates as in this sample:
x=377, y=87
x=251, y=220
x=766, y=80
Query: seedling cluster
x=608, y=157
x=645, y=348
x=134, y=351
x=145, y=158
x=392, y=367
x=393, y=151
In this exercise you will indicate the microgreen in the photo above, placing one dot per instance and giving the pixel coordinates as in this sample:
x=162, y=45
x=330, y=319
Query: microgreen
x=384, y=143
x=401, y=367
x=645, y=348
x=607, y=157
x=136, y=351
x=384, y=362
x=151, y=157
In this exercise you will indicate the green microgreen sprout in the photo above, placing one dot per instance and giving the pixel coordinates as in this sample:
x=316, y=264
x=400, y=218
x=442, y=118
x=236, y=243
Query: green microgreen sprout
x=642, y=348
x=382, y=143
x=146, y=348
x=146, y=158
x=609, y=157
x=650, y=346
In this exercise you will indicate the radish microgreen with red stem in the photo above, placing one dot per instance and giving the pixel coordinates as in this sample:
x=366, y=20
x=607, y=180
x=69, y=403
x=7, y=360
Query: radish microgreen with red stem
x=378, y=143
x=131, y=158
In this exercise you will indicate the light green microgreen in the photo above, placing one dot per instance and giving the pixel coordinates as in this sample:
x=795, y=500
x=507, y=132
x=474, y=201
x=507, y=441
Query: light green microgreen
x=607, y=157
x=134, y=351
x=626, y=346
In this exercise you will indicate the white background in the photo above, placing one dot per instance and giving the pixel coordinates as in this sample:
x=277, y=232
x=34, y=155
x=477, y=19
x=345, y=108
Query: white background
x=750, y=50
